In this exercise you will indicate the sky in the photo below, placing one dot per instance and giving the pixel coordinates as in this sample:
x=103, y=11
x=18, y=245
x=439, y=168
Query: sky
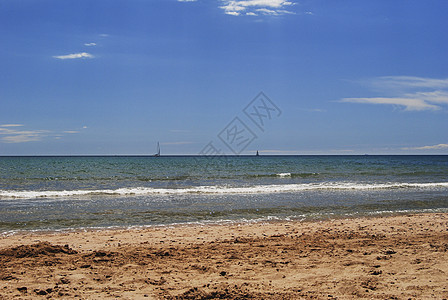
x=102, y=77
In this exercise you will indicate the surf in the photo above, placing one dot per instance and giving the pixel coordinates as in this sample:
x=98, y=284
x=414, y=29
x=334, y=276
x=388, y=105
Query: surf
x=257, y=189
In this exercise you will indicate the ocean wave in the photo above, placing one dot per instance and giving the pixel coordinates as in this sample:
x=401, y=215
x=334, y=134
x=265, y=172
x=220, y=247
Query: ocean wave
x=258, y=189
x=175, y=177
x=284, y=174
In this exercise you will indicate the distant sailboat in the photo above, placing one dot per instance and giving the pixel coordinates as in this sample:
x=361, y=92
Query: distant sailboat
x=258, y=154
x=158, y=150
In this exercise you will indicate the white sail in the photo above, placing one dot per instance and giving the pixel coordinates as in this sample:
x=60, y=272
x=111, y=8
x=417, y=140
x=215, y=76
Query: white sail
x=158, y=149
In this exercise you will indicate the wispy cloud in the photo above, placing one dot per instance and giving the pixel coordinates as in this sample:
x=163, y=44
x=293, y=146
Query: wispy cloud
x=8, y=135
x=21, y=138
x=256, y=7
x=90, y=44
x=411, y=93
x=407, y=82
x=187, y=0
x=13, y=133
x=408, y=103
x=11, y=125
x=74, y=56
x=433, y=147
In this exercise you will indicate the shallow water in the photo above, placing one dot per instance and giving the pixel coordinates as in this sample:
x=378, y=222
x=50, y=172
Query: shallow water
x=50, y=193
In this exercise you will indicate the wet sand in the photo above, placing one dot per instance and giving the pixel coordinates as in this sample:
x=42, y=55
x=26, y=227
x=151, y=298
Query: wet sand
x=397, y=257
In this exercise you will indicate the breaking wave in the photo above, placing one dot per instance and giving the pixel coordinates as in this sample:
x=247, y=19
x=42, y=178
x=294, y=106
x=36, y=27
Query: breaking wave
x=257, y=189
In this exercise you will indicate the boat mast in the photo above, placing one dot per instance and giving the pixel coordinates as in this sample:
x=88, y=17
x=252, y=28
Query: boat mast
x=158, y=149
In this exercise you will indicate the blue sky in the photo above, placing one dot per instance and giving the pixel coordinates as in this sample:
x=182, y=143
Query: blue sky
x=115, y=77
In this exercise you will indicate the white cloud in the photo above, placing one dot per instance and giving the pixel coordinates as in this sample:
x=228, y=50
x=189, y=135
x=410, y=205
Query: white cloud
x=436, y=96
x=11, y=133
x=11, y=125
x=433, y=147
x=20, y=136
x=408, y=103
x=412, y=93
x=74, y=56
x=90, y=44
x=232, y=13
x=285, y=12
x=187, y=0
x=267, y=11
x=250, y=7
x=408, y=82
x=11, y=139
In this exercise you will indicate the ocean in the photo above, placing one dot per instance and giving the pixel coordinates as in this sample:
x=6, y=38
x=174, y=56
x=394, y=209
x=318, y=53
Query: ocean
x=82, y=192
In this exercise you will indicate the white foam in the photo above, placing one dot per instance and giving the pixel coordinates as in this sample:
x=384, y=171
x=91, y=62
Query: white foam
x=284, y=174
x=258, y=189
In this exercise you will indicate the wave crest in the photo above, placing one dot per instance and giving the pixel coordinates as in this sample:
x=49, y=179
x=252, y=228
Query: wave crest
x=258, y=189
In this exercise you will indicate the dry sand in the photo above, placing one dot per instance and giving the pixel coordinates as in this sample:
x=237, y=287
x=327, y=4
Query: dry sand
x=397, y=257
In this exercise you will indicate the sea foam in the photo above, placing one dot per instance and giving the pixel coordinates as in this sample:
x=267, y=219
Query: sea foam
x=257, y=189
x=284, y=174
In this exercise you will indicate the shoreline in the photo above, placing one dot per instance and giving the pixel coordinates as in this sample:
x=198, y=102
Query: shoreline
x=403, y=256
x=225, y=222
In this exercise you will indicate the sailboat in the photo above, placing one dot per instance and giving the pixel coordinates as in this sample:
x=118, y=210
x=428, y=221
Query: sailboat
x=258, y=154
x=158, y=150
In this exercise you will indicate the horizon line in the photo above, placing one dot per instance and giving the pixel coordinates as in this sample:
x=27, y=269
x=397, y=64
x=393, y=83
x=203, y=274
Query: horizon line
x=207, y=156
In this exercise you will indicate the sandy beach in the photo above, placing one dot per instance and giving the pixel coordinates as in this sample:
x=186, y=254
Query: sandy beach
x=395, y=257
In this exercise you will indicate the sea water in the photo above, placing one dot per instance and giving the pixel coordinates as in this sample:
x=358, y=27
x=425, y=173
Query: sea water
x=57, y=193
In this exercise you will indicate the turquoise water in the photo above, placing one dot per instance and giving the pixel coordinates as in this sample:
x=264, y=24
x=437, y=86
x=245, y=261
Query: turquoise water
x=51, y=193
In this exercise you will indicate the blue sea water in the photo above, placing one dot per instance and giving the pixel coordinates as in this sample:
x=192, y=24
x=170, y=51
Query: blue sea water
x=53, y=193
